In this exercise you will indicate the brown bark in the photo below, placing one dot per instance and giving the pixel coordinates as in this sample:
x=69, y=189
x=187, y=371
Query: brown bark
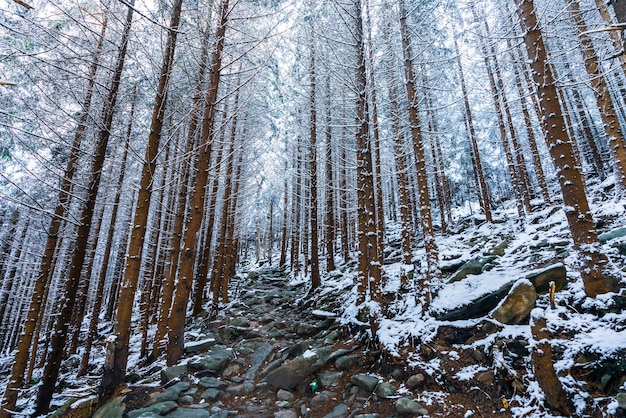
x=596, y=272
x=611, y=123
x=315, y=264
x=53, y=363
x=331, y=226
x=432, y=256
x=115, y=371
x=284, y=239
x=176, y=332
x=295, y=210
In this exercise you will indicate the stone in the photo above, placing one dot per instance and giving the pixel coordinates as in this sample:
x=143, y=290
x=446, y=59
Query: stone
x=331, y=337
x=179, y=387
x=621, y=400
x=474, y=266
x=220, y=414
x=608, y=236
x=365, y=381
x=474, y=306
x=240, y=322
x=212, y=382
x=408, y=406
x=285, y=413
x=189, y=413
x=284, y=395
x=338, y=411
x=516, y=306
x=260, y=354
x=415, y=381
x=306, y=330
x=173, y=372
x=201, y=346
x=211, y=394
x=186, y=400
x=290, y=374
x=231, y=370
x=541, y=278
x=367, y=416
x=282, y=404
x=112, y=409
x=236, y=390
x=299, y=348
x=318, y=401
x=486, y=378
x=160, y=408
x=385, y=390
x=215, y=361
x=165, y=396
x=347, y=362
x=326, y=379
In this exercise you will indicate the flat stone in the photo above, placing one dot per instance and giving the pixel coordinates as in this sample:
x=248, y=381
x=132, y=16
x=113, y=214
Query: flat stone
x=338, y=411
x=186, y=400
x=159, y=397
x=290, y=374
x=541, y=278
x=516, y=306
x=347, y=362
x=409, y=407
x=474, y=266
x=160, y=408
x=608, y=236
x=365, y=382
x=179, y=387
x=306, y=330
x=367, y=416
x=284, y=395
x=201, y=346
x=211, y=394
x=282, y=404
x=173, y=372
x=212, y=382
x=385, y=390
x=112, y=409
x=240, y=389
x=189, y=413
x=285, y=413
x=260, y=354
x=216, y=360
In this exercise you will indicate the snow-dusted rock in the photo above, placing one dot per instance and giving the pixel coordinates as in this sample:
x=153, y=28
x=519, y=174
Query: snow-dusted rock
x=215, y=360
x=541, y=278
x=408, y=406
x=290, y=374
x=516, y=306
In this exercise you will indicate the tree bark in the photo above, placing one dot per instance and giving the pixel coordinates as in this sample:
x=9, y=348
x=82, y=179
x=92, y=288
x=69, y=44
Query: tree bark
x=315, y=264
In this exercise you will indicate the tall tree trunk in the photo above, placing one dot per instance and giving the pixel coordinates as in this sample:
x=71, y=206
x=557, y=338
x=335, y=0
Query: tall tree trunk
x=432, y=252
x=315, y=264
x=284, y=243
x=115, y=371
x=176, y=332
x=53, y=363
x=331, y=226
x=596, y=272
x=37, y=300
x=603, y=99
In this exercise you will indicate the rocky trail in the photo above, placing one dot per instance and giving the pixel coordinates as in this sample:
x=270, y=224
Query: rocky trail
x=272, y=353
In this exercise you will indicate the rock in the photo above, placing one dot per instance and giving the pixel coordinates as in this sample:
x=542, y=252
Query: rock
x=241, y=321
x=408, y=406
x=415, y=381
x=487, y=378
x=318, y=401
x=201, y=346
x=608, y=236
x=385, y=390
x=326, y=379
x=216, y=360
x=299, y=348
x=186, y=400
x=474, y=266
x=285, y=413
x=173, y=372
x=541, y=278
x=367, y=416
x=339, y=411
x=212, y=382
x=178, y=387
x=500, y=248
x=160, y=408
x=365, y=382
x=331, y=337
x=146, y=415
x=284, y=395
x=112, y=409
x=621, y=400
x=282, y=404
x=211, y=394
x=261, y=351
x=231, y=370
x=159, y=397
x=241, y=389
x=516, y=306
x=306, y=330
x=189, y=413
x=290, y=374
x=347, y=362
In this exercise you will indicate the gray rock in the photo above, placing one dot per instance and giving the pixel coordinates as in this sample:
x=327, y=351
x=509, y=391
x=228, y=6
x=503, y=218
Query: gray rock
x=202, y=345
x=216, y=360
x=326, y=379
x=236, y=390
x=159, y=397
x=285, y=413
x=415, y=381
x=516, y=306
x=160, y=408
x=240, y=322
x=282, y=404
x=367, y=416
x=347, y=362
x=408, y=406
x=284, y=395
x=212, y=382
x=112, y=409
x=299, y=348
x=186, y=400
x=621, y=400
x=258, y=357
x=608, y=236
x=319, y=401
x=365, y=382
x=290, y=374
x=339, y=411
x=179, y=387
x=211, y=394
x=475, y=308
x=541, y=278
x=189, y=413
x=173, y=372
x=474, y=266
x=306, y=330
x=331, y=337
x=221, y=414
x=385, y=390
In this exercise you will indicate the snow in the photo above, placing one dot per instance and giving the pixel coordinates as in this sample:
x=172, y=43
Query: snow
x=309, y=354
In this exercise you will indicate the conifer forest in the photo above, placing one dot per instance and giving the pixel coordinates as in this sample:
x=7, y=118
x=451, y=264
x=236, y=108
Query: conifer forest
x=320, y=209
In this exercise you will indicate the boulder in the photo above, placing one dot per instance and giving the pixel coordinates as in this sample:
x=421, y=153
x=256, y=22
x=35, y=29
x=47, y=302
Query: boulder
x=473, y=308
x=474, y=266
x=112, y=409
x=215, y=361
x=290, y=374
x=608, y=236
x=201, y=346
x=541, y=278
x=365, y=381
x=407, y=406
x=160, y=408
x=516, y=306
x=179, y=387
x=159, y=397
x=385, y=390
x=212, y=382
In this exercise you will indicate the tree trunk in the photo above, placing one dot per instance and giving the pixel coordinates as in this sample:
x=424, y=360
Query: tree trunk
x=315, y=264
x=331, y=226
x=114, y=372
x=596, y=272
